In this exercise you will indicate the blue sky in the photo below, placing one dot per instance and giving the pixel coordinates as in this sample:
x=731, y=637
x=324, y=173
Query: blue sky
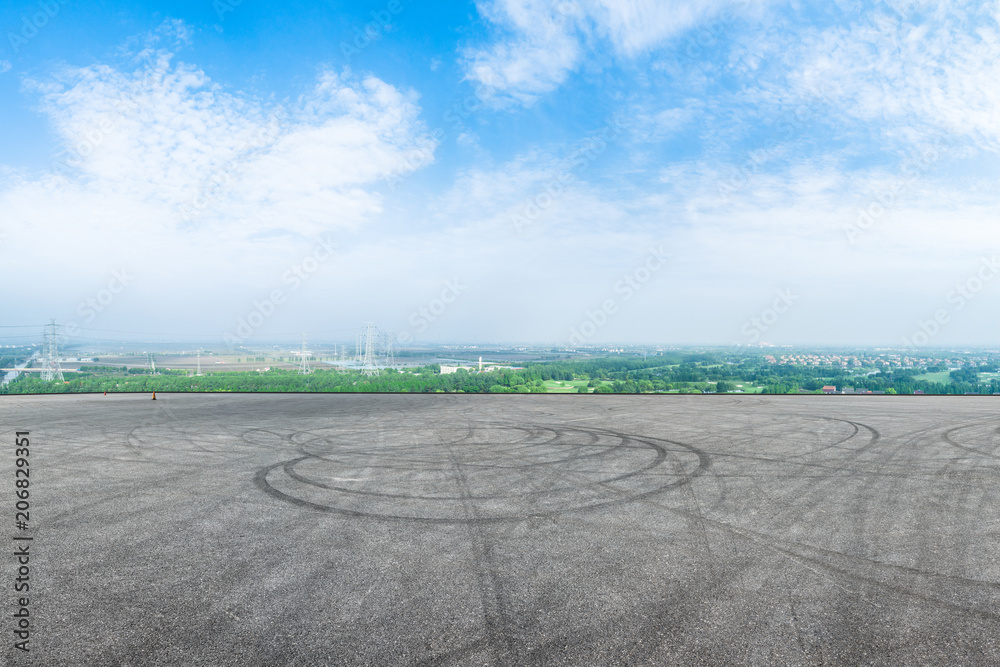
x=582, y=171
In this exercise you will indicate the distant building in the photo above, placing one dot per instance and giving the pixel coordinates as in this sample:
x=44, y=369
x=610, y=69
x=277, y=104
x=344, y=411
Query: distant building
x=447, y=370
x=829, y=389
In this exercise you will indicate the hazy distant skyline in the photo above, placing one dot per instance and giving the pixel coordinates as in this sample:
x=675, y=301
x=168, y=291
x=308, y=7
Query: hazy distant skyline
x=573, y=172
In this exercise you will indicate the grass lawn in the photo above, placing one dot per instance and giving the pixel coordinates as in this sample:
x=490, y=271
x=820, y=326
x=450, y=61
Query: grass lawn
x=941, y=376
x=563, y=386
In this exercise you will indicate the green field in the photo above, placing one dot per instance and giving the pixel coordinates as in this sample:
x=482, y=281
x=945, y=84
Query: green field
x=563, y=386
x=617, y=374
x=940, y=376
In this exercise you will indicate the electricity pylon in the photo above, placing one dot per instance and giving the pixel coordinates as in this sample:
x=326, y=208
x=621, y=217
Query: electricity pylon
x=369, y=365
x=50, y=362
x=304, y=368
x=388, y=341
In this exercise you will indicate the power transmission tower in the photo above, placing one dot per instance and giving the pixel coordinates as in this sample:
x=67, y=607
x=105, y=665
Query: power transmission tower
x=50, y=362
x=152, y=364
x=388, y=339
x=369, y=365
x=199, y=362
x=304, y=368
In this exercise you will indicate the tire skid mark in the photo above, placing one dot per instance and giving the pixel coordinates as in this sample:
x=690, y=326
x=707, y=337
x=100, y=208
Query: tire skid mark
x=847, y=468
x=836, y=472
x=454, y=656
x=762, y=540
x=857, y=429
x=262, y=482
x=103, y=500
x=947, y=435
x=496, y=616
x=704, y=464
x=407, y=463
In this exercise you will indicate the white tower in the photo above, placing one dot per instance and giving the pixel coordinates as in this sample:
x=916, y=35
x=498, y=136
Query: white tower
x=369, y=364
x=50, y=362
x=304, y=368
x=388, y=340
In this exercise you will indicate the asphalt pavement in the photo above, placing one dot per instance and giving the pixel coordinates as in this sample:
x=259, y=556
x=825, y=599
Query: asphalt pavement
x=272, y=529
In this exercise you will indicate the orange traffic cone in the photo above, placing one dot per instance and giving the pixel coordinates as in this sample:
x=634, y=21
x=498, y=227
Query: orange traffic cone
x=154, y=395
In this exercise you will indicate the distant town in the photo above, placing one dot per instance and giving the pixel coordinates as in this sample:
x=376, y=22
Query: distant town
x=375, y=362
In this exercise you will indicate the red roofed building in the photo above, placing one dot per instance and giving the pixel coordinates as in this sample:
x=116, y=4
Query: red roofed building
x=829, y=389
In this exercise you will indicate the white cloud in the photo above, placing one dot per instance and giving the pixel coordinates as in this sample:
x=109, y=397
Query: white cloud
x=916, y=76
x=634, y=26
x=209, y=194
x=651, y=124
x=541, y=49
x=785, y=228
x=166, y=136
x=541, y=42
x=201, y=190
x=4, y=66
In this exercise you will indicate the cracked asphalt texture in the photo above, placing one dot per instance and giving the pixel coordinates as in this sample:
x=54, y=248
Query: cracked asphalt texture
x=271, y=529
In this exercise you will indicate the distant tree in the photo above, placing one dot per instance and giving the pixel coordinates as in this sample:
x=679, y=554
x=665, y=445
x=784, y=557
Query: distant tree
x=968, y=374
